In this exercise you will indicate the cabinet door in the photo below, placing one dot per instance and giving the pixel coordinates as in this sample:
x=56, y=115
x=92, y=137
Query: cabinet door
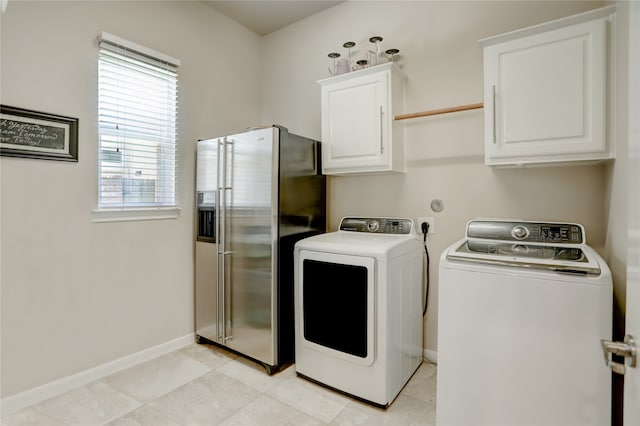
x=355, y=124
x=545, y=96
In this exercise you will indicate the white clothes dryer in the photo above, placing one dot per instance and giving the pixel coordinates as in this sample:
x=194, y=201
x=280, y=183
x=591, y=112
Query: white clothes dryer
x=358, y=307
x=522, y=307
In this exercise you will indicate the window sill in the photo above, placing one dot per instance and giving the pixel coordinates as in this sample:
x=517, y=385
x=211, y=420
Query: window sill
x=133, y=214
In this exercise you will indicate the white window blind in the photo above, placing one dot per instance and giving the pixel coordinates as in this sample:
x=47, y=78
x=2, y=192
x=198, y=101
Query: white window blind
x=137, y=114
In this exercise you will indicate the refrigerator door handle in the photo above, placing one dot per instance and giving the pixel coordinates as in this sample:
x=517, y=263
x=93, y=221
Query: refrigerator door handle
x=220, y=245
x=227, y=164
x=223, y=284
x=228, y=184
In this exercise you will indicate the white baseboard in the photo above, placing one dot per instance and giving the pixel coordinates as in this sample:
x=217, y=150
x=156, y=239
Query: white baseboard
x=29, y=397
x=431, y=356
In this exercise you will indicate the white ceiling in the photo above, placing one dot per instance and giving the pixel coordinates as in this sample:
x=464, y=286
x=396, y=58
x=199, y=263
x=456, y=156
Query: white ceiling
x=264, y=17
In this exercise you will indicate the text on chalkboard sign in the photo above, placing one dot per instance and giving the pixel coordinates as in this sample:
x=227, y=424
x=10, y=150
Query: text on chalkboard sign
x=25, y=133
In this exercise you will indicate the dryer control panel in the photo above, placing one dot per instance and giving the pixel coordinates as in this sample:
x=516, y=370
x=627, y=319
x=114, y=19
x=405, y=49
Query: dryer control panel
x=377, y=225
x=529, y=232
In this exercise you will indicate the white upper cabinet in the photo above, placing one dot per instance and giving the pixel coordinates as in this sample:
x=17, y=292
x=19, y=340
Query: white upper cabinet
x=546, y=92
x=358, y=131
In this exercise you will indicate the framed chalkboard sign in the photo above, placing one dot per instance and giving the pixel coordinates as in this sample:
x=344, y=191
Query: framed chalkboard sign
x=32, y=134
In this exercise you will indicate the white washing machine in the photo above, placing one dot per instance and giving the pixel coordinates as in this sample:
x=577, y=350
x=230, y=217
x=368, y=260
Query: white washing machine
x=522, y=307
x=358, y=307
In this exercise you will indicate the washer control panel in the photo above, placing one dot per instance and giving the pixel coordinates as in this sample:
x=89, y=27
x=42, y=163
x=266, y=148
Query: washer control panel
x=377, y=225
x=529, y=232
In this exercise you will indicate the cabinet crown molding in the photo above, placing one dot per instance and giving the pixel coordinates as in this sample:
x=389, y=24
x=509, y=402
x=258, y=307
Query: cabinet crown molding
x=589, y=15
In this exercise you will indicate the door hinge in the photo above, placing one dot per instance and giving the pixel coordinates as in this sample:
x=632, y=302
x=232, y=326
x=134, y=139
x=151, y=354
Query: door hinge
x=626, y=349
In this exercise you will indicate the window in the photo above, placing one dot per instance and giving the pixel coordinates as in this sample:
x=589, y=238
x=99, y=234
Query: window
x=137, y=111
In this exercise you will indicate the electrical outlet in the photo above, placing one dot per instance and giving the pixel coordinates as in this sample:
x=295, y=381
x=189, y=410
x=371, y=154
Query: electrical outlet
x=430, y=221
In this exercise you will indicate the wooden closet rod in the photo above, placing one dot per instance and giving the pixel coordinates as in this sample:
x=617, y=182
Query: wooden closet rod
x=439, y=111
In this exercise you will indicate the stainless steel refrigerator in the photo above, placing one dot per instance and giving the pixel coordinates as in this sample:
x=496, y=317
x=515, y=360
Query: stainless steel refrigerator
x=257, y=194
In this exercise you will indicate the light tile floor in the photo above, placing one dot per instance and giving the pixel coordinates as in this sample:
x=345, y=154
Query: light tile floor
x=204, y=385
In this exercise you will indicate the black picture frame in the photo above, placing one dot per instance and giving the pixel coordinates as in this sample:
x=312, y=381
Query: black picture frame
x=32, y=134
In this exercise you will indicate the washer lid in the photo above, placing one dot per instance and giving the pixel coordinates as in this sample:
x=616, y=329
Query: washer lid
x=558, y=259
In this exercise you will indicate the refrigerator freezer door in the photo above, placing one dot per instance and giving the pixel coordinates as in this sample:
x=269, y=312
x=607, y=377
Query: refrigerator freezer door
x=206, y=288
x=250, y=245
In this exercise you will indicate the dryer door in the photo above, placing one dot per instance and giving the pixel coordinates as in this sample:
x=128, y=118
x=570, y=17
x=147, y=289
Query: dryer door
x=337, y=300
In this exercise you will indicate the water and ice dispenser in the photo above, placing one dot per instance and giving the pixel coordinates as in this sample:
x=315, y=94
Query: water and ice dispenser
x=206, y=205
